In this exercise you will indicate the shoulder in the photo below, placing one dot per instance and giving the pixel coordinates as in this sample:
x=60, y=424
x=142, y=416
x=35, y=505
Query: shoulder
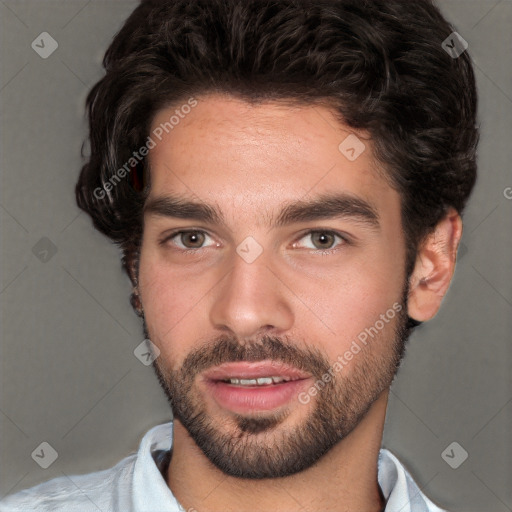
x=110, y=490
x=101, y=490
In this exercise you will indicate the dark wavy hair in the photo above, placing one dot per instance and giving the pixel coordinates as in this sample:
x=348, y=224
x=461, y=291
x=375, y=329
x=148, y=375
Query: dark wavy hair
x=379, y=64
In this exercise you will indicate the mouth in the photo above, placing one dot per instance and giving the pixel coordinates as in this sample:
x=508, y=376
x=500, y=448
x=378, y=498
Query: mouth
x=260, y=381
x=244, y=387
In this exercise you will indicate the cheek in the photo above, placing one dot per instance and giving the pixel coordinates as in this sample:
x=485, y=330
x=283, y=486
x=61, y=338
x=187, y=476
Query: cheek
x=360, y=304
x=175, y=302
x=167, y=301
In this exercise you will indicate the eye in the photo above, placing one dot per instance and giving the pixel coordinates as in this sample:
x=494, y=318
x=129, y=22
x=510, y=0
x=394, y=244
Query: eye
x=187, y=240
x=324, y=240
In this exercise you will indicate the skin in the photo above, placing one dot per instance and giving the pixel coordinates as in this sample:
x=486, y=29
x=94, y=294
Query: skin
x=249, y=161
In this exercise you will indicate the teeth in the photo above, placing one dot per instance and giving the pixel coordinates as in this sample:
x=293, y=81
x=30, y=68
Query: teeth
x=261, y=381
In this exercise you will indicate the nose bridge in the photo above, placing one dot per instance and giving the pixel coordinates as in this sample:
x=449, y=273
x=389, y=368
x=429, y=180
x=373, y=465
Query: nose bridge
x=250, y=298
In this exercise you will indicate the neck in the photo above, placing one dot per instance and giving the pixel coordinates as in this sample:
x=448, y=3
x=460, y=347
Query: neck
x=345, y=479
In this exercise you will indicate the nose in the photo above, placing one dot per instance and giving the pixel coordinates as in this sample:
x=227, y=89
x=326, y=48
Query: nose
x=251, y=300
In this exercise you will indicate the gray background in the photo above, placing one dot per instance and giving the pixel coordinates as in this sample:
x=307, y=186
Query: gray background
x=69, y=376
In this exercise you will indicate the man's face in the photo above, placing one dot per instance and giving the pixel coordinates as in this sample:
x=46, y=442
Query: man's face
x=268, y=287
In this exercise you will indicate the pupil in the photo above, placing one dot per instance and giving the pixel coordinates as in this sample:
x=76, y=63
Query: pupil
x=322, y=237
x=193, y=238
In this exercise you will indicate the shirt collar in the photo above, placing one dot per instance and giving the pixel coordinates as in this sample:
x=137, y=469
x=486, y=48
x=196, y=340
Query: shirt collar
x=152, y=494
x=150, y=490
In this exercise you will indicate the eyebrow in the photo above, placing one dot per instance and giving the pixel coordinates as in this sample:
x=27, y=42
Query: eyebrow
x=326, y=206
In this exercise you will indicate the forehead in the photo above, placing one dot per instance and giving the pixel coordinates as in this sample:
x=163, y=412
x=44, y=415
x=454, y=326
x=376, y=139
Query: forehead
x=225, y=151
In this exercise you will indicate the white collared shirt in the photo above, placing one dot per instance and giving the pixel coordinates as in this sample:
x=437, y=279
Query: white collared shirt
x=136, y=484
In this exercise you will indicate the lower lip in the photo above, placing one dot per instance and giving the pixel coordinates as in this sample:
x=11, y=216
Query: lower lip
x=243, y=399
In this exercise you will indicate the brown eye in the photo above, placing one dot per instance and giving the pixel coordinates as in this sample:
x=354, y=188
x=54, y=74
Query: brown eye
x=323, y=239
x=187, y=240
x=192, y=239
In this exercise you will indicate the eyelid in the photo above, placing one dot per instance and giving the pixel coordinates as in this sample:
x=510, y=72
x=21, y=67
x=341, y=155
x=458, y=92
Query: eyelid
x=344, y=238
x=169, y=236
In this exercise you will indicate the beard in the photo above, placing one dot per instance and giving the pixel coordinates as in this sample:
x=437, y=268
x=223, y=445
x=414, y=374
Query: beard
x=260, y=446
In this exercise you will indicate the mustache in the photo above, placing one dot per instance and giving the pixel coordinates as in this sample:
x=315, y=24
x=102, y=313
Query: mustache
x=227, y=350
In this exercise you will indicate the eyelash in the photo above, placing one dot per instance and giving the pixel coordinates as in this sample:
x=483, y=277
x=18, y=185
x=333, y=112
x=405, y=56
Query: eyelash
x=344, y=239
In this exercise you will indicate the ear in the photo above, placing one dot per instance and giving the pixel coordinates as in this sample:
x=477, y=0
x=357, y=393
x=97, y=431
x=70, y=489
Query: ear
x=130, y=262
x=132, y=270
x=434, y=267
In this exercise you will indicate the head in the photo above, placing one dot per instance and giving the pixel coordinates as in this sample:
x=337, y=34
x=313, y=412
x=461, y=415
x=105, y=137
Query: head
x=286, y=182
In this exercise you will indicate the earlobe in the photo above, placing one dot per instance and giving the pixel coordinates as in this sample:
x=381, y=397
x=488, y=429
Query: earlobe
x=433, y=271
x=131, y=264
x=130, y=261
x=136, y=302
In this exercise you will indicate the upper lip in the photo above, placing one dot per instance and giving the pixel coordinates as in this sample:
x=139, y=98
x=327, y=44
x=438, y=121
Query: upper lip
x=254, y=370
